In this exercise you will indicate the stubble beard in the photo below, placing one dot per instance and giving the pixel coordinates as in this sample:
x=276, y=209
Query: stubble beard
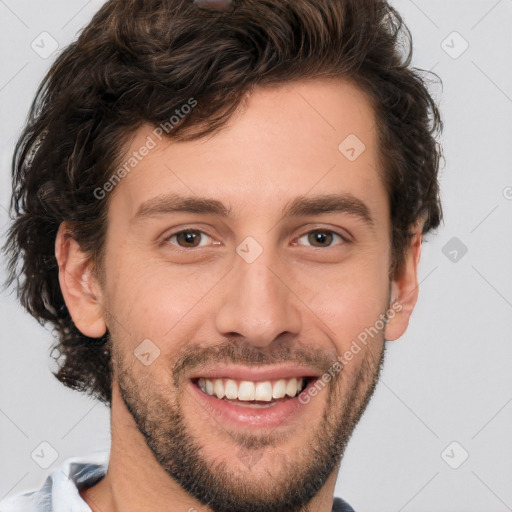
x=301, y=474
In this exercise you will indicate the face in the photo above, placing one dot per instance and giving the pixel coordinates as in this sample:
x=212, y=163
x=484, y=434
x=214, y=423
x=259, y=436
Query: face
x=239, y=271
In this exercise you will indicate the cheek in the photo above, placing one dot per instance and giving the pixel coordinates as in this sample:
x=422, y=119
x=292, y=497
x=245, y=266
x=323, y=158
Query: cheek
x=154, y=299
x=348, y=300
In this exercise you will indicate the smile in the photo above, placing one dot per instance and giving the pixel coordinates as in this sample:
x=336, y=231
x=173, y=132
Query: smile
x=253, y=397
x=253, y=392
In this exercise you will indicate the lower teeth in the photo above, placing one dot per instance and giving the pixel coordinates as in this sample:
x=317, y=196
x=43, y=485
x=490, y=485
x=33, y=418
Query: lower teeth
x=251, y=404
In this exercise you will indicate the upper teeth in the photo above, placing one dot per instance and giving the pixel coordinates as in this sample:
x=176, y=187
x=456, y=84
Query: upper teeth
x=251, y=390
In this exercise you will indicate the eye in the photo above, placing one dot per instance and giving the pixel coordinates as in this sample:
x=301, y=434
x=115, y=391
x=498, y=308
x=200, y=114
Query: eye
x=189, y=238
x=321, y=238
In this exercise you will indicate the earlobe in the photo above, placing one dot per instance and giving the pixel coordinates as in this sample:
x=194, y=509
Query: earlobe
x=404, y=290
x=79, y=286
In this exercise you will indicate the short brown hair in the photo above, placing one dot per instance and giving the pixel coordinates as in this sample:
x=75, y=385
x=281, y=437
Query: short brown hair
x=137, y=62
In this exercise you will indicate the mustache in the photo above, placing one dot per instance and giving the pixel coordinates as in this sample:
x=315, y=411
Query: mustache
x=194, y=357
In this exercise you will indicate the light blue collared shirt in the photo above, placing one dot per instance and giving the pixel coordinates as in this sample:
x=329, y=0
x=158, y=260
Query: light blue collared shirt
x=60, y=491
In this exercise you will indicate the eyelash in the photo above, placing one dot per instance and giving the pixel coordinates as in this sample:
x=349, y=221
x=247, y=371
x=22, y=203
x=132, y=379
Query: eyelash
x=195, y=231
x=343, y=239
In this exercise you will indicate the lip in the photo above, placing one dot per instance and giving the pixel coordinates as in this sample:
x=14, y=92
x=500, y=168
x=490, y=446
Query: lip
x=282, y=414
x=255, y=373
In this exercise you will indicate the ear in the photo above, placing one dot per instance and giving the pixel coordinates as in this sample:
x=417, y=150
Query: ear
x=404, y=289
x=80, y=289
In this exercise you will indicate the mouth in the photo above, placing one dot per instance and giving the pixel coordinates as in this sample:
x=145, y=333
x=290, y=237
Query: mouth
x=256, y=394
x=253, y=399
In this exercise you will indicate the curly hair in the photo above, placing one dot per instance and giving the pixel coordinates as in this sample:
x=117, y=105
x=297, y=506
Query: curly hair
x=137, y=62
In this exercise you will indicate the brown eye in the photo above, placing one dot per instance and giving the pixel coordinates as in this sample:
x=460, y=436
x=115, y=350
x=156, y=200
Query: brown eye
x=189, y=239
x=321, y=238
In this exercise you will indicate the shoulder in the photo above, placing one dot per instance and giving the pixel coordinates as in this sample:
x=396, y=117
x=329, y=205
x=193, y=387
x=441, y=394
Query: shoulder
x=339, y=505
x=35, y=501
x=61, y=487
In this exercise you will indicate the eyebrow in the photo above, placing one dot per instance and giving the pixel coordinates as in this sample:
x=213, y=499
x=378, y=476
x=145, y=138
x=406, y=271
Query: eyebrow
x=301, y=206
x=173, y=203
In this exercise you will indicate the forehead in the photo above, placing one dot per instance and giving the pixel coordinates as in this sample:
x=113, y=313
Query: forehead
x=313, y=136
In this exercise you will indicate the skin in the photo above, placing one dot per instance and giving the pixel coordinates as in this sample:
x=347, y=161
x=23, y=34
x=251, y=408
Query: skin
x=300, y=296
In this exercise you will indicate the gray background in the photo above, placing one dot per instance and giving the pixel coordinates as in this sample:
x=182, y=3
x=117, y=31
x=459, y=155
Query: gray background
x=446, y=380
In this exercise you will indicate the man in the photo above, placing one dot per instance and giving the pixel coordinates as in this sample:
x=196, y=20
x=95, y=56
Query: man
x=220, y=207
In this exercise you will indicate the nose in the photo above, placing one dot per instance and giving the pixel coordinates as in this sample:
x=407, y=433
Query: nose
x=258, y=303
